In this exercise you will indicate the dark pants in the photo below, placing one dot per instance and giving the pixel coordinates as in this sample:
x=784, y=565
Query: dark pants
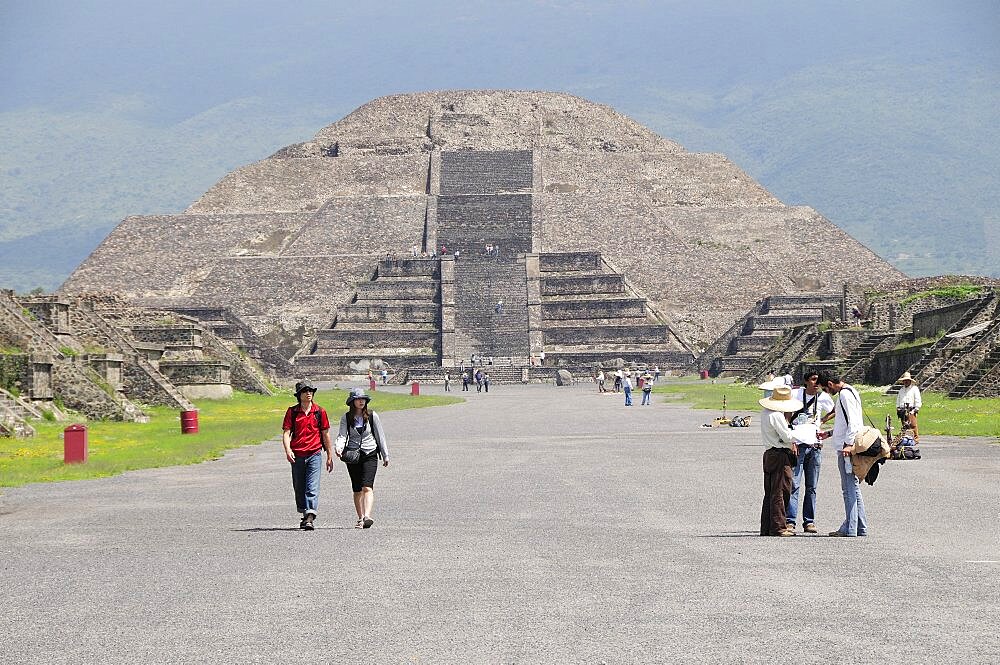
x=777, y=488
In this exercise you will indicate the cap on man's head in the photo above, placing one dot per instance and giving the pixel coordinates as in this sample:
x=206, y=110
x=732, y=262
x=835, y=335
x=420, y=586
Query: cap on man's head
x=304, y=386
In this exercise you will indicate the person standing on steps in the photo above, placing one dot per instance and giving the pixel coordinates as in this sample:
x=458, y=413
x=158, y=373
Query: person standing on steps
x=361, y=430
x=305, y=433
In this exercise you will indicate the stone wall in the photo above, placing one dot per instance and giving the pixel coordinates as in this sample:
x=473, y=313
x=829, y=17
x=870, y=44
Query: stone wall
x=13, y=372
x=298, y=185
x=372, y=226
x=888, y=366
x=570, y=261
x=690, y=179
x=929, y=323
x=605, y=308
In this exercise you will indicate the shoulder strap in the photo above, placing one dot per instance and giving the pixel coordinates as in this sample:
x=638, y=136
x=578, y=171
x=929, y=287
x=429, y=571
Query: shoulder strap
x=291, y=430
x=843, y=408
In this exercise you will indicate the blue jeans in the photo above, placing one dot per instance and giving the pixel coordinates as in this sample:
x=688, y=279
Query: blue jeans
x=628, y=396
x=305, y=481
x=855, y=520
x=645, y=396
x=808, y=464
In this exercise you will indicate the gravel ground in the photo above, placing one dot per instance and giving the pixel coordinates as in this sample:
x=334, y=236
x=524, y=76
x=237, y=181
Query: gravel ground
x=533, y=524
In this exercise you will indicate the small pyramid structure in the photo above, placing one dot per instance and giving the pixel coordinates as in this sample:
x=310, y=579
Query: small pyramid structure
x=606, y=239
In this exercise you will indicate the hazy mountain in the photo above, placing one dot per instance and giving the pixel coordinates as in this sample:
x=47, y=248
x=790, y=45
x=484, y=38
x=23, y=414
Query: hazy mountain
x=882, y=117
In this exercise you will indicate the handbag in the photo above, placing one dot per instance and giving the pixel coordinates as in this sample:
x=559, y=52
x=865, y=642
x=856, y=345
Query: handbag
x=351, y=455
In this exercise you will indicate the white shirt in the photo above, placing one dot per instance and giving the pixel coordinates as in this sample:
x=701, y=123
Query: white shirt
x=908, y=395
x=787, y=379
x=774, y=429
x=846, y=428
x=820, y=407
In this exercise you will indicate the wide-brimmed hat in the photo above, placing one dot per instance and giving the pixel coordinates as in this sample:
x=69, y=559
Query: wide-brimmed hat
x=869, y=447
x=906, y=377
x=304, y=385
x=771, y=385
x=781, y=400
x=357, y=393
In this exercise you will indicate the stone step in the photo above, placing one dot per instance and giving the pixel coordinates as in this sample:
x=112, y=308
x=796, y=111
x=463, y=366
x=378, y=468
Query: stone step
x=584, y=284
x=636, y=334
x=398, y=290
x=781, y=321
x=589, y=307
x=368, y=326
x=375, y=339
x=597, y=322
x=570, y=262
x=403, y=311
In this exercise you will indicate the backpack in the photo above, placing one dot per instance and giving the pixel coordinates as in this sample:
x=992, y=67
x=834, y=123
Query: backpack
x=317, y=410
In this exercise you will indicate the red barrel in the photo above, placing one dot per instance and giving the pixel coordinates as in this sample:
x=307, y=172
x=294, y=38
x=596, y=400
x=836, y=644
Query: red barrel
x=415, y=388
x=75, y=444
x=189, y=422
x=704, y=373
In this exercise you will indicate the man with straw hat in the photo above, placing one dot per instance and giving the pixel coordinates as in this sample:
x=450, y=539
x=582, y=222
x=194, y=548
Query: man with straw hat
x=908, y=403
x=779, y=457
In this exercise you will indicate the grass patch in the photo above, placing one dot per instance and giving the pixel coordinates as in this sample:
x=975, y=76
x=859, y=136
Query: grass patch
x=116, y=447
x=920, y=341
x=940, y=415
x=959, y=292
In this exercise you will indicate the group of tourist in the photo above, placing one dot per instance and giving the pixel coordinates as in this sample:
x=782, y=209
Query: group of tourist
x=481, y=378
x=790, y=427
x=360, y=443
x=622, y=382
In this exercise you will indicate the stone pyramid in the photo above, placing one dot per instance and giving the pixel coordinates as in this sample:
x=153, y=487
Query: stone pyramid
x=286, y=241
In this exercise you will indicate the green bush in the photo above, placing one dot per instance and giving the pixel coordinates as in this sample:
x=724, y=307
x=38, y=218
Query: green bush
x=958, y=292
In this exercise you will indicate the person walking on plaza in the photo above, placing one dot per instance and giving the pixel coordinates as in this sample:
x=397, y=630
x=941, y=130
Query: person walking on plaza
x=479, y=380
x=465, y=381
x=846, y=425
x=817, y=408
x=447, y=382
x=627, y=386
x=619, y=377
x=600, y=381
x=779, y=456
x=305, y=433
x=361, y=430
x=486, y=381
x=647, y=389
x=908, y=404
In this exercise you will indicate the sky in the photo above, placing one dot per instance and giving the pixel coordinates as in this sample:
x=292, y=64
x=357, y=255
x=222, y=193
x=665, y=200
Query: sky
x=146, y=89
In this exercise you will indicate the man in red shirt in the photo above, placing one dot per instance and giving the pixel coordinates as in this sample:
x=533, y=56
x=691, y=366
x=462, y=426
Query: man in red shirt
x=306, y=431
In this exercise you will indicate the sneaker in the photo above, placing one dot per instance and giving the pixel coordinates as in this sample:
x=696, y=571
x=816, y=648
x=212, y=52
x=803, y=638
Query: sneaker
x=809, y=528
x=302, y=522
x=786, y=533
x=307, y=522
x=838, y=534
x=367, y=522
x=360, y=524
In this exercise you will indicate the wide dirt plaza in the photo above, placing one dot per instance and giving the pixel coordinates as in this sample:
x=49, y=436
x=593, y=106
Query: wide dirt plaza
x=532, y=524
